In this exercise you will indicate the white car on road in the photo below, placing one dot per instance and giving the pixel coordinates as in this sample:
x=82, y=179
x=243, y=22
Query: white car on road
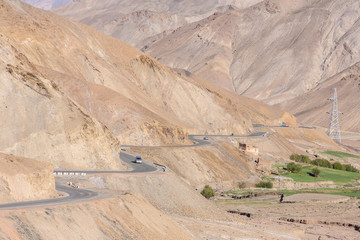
x=138, y=159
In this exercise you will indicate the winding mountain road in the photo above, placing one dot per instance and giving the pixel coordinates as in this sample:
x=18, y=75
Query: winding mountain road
x=79, y=195
x=201, y=142
x=73, y=195
x=125, y=157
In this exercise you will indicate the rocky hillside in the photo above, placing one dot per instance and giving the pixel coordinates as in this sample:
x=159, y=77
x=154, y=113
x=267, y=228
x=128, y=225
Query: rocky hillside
x=25, y=179
x=71, y=95
x=124, y=217
x=73, y=88
x=272, y=51
x=133, y=21
x=312, y=107
x=39, y=121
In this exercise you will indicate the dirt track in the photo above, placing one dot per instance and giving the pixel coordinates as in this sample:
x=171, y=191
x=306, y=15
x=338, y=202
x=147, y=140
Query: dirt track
x=307, y=197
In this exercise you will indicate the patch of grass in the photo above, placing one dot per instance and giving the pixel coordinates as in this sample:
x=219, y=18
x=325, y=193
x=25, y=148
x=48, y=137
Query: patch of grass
x=326, y=174
x=244, y=192
x=341, y=154
x=279, y=165
x=264, y=184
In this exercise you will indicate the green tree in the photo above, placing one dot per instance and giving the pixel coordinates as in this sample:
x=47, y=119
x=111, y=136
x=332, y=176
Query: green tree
x=208, y=192
x=350, y=168
x=321, y=163
x=300, y=158
x=294, y=157
x=338, y=166
x=293, y=167
x=315, y=172
x=305, y=159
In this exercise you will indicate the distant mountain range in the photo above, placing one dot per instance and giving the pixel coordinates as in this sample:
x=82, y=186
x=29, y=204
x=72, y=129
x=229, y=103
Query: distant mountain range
x=271, y=50
x=135, y=20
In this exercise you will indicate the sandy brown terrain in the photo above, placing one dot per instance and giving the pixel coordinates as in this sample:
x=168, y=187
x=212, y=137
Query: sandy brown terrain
x=272, y=50
x=225, y=164
x=308, y=217
x=125, y=217
x=87, y=92
x=23, y=179
x=183, y=215
x=70, y=96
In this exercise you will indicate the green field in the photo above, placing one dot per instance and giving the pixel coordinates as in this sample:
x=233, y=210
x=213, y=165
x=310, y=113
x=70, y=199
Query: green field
x=341, y=154
x=326, y=174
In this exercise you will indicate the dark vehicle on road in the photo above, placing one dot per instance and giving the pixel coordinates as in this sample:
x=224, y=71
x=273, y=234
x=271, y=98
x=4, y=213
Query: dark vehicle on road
x=206, y=138
x=138, y=159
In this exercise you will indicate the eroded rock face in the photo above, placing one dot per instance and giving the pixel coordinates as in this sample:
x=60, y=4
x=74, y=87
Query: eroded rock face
x=272, y=51
x=39, y=121
x=24, y=179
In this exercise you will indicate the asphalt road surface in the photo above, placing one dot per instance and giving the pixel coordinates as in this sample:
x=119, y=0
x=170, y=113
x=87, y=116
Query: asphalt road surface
x=199, y=141
x=125, y=157
x=78, y=195
x=73, y=195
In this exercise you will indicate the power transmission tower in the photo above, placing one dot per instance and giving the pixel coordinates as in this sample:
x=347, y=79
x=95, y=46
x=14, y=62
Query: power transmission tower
x=334, y=126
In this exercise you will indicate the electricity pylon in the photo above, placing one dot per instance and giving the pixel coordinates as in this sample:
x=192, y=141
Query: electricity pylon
x=334, y=126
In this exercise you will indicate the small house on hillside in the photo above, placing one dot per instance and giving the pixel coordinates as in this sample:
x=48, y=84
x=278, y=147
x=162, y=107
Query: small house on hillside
x=247, y=148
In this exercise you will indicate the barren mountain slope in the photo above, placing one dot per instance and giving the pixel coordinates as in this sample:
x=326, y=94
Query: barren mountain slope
x=272, y=51
x=40, y=122
x=128, y=216
x=25, y=179
x=133, y=21
x=137, y=98
x=312, y=107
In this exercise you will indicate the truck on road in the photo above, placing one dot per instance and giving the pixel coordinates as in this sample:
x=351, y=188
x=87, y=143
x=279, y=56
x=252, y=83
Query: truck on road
x=285, y=124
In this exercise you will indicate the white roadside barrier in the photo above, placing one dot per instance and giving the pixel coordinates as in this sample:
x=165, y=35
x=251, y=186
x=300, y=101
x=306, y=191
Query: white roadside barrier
x=71, y=174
